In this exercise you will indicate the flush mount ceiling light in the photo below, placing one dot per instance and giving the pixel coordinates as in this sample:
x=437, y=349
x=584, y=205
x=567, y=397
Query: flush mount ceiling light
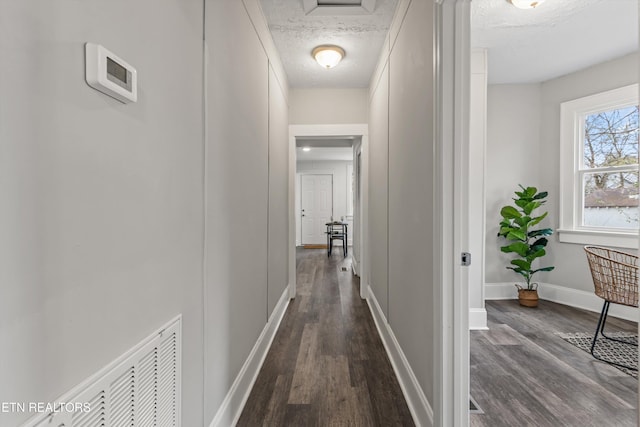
x=526, y=4
x=328, y=56
x=306, y=148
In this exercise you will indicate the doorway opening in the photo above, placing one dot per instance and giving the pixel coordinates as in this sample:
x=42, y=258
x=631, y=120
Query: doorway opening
x=326, y=186
x=500, y=88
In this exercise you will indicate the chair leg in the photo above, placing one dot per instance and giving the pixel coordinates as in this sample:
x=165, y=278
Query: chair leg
x=600, y=331
x=603, y=315
x=612, y=338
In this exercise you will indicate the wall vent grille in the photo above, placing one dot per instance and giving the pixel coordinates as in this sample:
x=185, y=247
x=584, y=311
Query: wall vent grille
x=338, y=7
x=96, y=417
x=339, y=2
x=122, y=400
x=141, y=388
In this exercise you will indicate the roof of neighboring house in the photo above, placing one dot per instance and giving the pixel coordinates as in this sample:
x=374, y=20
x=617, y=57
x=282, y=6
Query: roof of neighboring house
x=612, y=197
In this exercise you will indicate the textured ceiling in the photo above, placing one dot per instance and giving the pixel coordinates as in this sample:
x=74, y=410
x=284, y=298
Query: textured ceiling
x=524, y=46
x=296, y=34
x=557, y=38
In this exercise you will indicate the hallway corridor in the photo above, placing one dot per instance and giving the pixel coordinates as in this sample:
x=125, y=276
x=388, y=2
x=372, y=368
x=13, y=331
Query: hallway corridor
x=327, y=365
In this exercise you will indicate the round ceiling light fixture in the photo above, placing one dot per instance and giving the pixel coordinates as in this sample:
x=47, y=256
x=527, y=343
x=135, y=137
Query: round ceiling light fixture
x=328, y=56
x=526, y=4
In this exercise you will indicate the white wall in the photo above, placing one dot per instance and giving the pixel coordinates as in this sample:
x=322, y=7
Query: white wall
x=328, y=106
x=513, y=135
x=105, y=205
x=475, y=185
x=379, y=189
x=247, y=177
x=411, y=214
x=571, y=265
x=278, y=188
x=523, y=146
x=408, y=172
x=101, y=213
x=341, y=186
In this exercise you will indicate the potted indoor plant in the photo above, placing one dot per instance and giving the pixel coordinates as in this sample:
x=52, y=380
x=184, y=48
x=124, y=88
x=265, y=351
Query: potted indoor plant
x=524, y=241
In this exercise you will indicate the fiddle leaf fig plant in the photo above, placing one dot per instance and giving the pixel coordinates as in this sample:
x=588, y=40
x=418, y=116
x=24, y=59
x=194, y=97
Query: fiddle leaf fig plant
x=524, y=241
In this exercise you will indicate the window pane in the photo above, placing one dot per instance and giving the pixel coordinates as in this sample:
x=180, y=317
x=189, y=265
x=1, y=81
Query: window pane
x=611, y=138
x=611, y=200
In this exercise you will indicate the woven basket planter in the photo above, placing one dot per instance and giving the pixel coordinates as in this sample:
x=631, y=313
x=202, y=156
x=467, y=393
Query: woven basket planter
x=527, y=297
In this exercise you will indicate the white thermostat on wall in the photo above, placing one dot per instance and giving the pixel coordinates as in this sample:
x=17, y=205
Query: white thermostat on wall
x=109, y=74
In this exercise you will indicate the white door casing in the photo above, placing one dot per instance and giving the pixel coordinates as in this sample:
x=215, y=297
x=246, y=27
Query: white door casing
x=316, y=205
x=453, y=54
x=357, y=218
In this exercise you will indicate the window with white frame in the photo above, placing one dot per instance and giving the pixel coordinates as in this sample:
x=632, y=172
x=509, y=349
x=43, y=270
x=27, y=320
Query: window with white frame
x=599, y=169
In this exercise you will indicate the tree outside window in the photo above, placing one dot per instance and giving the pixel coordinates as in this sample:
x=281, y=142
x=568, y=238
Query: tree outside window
x=609, y=172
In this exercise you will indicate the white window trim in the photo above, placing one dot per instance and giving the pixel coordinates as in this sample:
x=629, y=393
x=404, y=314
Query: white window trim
x=571, y=128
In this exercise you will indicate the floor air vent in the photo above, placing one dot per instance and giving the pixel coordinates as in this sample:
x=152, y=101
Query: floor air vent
x=141, y=388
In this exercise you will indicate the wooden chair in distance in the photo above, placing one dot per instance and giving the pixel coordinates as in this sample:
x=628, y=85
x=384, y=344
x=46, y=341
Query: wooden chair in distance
x=615, y=279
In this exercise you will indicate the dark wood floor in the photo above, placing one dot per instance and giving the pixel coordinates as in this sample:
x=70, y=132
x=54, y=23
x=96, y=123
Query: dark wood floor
x=523, y=374
x=327, y=365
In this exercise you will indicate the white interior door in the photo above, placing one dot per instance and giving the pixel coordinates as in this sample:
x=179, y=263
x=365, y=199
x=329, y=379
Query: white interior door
x=316, y=206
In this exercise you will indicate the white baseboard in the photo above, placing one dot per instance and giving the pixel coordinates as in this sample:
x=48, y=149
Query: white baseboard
x=355, y=265
x=231, y=408
x=563, y=295
x=478, y=319
x=493, y=291
x=419, y=406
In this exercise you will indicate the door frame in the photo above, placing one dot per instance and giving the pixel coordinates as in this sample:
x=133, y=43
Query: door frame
x=453, y=55
x=357, y=189
x=299, y=182
x=329, y=130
